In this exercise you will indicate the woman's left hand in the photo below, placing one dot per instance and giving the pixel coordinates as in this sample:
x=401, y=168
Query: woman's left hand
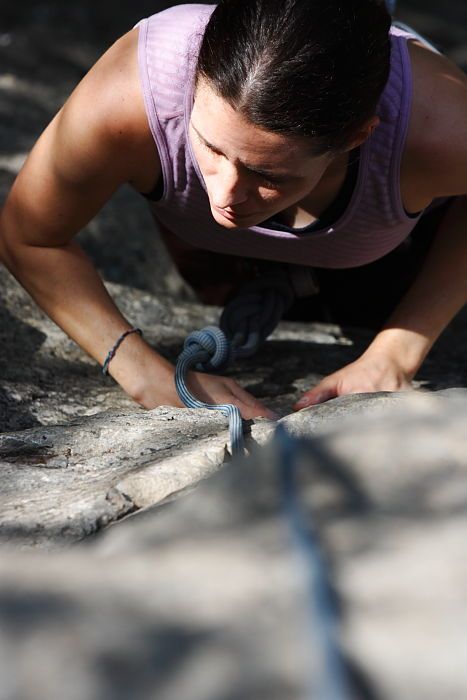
x=370, y=373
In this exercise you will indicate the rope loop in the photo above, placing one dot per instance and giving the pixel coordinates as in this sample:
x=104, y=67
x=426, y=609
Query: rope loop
x=245, y=323
x=212, y=348
x=208, y=349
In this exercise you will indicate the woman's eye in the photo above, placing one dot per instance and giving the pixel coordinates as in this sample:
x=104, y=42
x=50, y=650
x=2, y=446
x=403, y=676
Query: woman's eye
x=209, y=149
x=272, y=182
x=203, y=144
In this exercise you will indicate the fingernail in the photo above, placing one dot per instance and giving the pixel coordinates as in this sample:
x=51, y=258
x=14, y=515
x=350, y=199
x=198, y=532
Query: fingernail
x=303, y=403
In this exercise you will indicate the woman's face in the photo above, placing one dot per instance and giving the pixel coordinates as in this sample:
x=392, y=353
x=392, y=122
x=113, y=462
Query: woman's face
x=250, y=174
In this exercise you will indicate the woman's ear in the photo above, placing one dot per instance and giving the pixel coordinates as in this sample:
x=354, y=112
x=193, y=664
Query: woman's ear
x=363, y=133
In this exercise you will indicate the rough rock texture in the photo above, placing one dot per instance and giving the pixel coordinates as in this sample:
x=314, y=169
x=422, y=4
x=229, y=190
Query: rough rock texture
x=70, y=436
x=206, y=597
x=203, y=597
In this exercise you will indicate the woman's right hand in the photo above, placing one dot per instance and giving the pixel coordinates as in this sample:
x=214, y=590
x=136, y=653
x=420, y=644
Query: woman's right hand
x=149, y=379
x=98, y=141
x=216, y=390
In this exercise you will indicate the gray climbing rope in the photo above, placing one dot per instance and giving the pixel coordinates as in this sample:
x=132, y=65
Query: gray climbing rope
x=331, y=680
x=245, y=323
x=207, y=350
x=251, y=317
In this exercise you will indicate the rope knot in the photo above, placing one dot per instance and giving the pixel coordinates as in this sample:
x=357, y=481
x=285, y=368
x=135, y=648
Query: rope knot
x=210, y=347
x=245, y=323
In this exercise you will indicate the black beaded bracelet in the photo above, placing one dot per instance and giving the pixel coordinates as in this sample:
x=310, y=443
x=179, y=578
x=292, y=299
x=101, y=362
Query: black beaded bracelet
x=105, y=366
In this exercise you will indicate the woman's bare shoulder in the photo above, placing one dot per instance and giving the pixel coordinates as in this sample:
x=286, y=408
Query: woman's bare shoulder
x=435, y=157
x=98, y=141
x=109, y=105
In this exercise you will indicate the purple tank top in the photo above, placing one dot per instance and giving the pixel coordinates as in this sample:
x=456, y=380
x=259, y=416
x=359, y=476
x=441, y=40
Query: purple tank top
x=374, y=221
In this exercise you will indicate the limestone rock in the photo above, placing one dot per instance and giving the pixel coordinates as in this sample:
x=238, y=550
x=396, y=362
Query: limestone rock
x=394, y=520
x=207, y=596
x=63, y=483
x=55, y=402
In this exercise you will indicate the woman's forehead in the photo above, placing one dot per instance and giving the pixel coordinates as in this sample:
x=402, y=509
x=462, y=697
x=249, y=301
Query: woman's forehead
x=227, y=131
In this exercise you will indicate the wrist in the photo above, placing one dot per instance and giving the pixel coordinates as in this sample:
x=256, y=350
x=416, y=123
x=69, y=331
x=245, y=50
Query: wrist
x=146, y=376
x=111, y=354
x=403, y=348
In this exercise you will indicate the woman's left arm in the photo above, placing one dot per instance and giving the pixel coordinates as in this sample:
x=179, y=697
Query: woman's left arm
x=398, y=350
x=437, y=147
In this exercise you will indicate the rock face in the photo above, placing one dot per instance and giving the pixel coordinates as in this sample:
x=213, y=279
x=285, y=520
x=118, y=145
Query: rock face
x=150, y=590
x=70, y=436
x=208, y=596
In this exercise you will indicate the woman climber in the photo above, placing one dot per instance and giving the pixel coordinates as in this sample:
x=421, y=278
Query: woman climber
x=296, y=131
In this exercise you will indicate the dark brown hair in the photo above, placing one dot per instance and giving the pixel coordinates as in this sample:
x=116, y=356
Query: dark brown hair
x=313, y=68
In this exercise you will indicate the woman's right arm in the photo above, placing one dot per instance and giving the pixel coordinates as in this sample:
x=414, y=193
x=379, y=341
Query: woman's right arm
x=91, y=147
x=99, y=140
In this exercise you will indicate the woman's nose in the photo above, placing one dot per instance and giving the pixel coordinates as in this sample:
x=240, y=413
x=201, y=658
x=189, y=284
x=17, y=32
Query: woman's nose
x=227, y=188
